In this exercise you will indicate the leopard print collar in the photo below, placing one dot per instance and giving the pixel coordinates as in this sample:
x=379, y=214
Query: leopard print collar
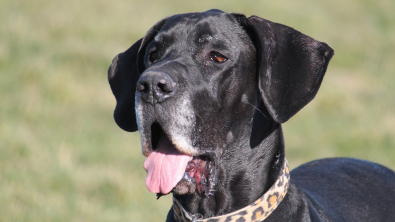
x=257, y=211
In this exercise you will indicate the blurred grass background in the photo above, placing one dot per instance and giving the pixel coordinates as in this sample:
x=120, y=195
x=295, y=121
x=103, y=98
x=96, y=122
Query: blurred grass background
x=62, y=157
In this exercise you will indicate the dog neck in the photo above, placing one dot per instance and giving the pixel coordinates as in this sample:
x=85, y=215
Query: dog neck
x=259, y=210
x=249, y=175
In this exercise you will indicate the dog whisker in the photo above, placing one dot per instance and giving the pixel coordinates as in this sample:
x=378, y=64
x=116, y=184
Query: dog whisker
x=245, y=101
x=200, y=118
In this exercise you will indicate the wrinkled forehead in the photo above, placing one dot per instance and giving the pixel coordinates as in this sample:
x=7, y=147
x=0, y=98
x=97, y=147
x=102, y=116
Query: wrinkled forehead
x=200, y=27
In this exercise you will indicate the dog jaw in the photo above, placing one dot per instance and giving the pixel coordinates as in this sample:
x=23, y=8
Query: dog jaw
x=176, y=122
x=177, y=125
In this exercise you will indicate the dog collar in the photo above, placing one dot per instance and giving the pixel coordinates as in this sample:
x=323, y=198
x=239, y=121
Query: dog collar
x=257, y=211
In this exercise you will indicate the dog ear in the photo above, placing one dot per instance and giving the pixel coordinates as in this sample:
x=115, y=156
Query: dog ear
x=123, y=75
x=290, y=66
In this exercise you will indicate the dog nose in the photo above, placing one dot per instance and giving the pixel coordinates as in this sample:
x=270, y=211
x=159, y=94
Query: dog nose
x=155, y=87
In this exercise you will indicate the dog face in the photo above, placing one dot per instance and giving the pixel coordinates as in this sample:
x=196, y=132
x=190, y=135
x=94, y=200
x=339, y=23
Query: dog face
x=192, y=86
x=205, y=73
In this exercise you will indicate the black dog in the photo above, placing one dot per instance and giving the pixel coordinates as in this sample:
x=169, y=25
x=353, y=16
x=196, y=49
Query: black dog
x=208, y=92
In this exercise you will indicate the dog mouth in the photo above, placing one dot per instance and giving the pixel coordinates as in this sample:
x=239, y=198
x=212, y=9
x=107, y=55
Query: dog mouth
x=199, y=177
x=169, y=170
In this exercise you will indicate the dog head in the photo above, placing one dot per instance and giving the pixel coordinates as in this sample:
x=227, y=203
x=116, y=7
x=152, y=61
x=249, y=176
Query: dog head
x=199, y=86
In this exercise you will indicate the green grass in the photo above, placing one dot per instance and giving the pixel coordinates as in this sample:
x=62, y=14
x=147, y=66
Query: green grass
x=62, y=157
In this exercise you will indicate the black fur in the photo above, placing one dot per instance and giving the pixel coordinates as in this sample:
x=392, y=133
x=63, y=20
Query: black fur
x=208, y=107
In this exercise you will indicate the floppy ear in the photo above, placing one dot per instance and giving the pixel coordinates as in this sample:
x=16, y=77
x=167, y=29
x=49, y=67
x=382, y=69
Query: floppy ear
x=290, y=66
x=123, y=75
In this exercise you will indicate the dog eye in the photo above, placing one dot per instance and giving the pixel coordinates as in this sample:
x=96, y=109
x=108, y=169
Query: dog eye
x=153, y=56
x=217, y=57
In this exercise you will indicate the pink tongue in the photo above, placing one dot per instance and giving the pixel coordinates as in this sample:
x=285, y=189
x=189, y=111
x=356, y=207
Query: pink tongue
x=165, y=167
